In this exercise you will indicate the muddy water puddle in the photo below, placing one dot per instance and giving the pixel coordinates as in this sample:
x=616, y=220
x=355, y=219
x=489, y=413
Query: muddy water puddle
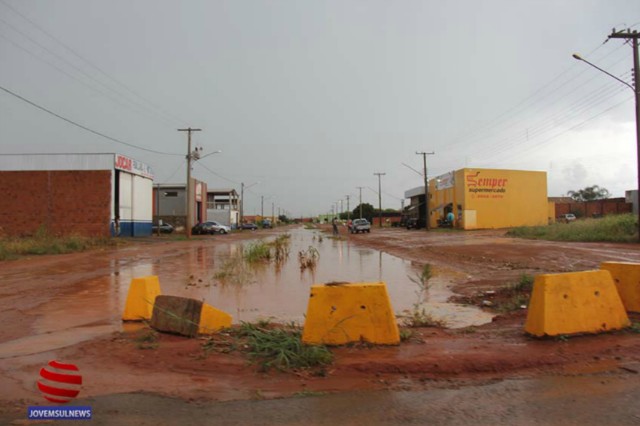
x=218, y=274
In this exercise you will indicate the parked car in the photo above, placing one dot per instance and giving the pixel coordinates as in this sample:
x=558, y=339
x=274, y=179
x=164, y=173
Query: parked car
x=165, y=228
x=566, y=218
x=220, y=228
x=249, y=225
x=266, y=224
x=412, y=223
x=210, y=228
x=360, y=225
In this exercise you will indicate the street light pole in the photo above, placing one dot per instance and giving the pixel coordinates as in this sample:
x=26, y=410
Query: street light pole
x=188, y=222
x=426, y=185
x=379, y=197
x=633, y=36
x=360, y=188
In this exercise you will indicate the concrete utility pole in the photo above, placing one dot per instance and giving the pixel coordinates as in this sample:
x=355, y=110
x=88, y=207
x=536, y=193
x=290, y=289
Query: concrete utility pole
x=633, y=36
x=348, y=211
x=188, y=222
x=360, y=188
x=379, y=196
x=426, y=185
x=262, y=207
x=273, y=216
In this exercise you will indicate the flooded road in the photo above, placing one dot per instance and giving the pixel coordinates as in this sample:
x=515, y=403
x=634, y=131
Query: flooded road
x=261, y=290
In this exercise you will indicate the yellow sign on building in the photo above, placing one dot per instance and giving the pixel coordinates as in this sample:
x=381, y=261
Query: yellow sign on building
x=489, y=198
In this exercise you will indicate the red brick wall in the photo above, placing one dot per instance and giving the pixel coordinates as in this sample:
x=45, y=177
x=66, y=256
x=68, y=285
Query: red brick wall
x=64, y=202
x=595, y=208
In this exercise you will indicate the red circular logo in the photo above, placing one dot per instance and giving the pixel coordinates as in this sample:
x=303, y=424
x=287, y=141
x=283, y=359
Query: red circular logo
x=59, y=382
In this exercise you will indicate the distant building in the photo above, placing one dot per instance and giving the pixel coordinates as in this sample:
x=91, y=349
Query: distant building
x=170, y=203
x=223, y=206
x=74, y=194
x=483, y=199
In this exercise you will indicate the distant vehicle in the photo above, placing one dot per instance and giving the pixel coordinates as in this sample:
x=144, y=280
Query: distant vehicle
x=249, y=225
x=210, y=228
x=165, y=228
x=412, y=223
x=360, y=225
x=266, y=224
x=566, y=218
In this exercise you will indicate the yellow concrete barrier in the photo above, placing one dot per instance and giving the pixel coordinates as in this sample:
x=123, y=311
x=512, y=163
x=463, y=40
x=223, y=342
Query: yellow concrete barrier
x=141, y=297
x=575, y=302
x=350, y=312
x=626, y=276
x=212, y=319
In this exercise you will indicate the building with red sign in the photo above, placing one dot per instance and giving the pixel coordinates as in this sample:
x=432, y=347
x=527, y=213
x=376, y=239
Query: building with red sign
x=75, y=194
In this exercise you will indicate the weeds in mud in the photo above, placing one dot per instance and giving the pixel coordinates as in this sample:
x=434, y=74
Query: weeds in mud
x=515, y=296
x=271, y=346
x=257, y=252
x=307, y=393
x=308, y=258
x=309, y=226
x=281, y=248
x=234, y=271
x=418, y=316
x=634, y=327
x=405, y=334
x=147, y=339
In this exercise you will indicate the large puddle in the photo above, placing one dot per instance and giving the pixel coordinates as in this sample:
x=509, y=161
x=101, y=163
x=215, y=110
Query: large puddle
x=256, y=291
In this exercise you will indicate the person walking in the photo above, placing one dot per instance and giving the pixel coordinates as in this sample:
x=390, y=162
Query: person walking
x=334, y=222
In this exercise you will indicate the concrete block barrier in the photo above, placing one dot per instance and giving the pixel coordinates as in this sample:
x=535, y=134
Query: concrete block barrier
x=187, y=317
x=626, y=277
x=575, y=302
x=350, y=312
x=212, y=320
x=140, y=298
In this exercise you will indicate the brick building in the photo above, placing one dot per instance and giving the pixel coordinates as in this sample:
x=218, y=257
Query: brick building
x=80, y=194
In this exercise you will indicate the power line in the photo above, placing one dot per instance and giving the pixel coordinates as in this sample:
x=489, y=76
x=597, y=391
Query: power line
x=84, y=127
x=90, y=63
x=216, y=174
x=78, y=69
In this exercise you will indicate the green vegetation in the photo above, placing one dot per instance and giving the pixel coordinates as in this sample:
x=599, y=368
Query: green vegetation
x=44, y=243
x=418, y=317
x=272, y=346
x=516, y=295
x=257, y=252
x=147, y=339
x=612, y=228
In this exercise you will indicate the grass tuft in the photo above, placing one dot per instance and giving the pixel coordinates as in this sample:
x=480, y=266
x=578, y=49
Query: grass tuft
x=611, y=228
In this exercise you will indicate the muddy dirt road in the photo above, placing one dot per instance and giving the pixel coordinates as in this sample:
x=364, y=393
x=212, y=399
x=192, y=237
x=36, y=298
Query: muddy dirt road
x=68, y=307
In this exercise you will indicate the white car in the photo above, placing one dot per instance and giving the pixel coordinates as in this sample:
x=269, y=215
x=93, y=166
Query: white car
x=219, y=228
x=566, y=218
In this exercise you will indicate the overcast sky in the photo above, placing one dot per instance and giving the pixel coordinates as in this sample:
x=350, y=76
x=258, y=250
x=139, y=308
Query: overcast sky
x=310, y=98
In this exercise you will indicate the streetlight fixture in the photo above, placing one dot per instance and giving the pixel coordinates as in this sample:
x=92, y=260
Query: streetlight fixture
x=242, y=188
x=636, y=91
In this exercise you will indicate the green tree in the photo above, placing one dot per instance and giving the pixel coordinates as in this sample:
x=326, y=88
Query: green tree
x=368, y=211
x=589, y=193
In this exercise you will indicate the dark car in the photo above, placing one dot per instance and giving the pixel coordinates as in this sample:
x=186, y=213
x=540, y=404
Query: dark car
x=266, y=224
x=249, y=225
x=412, y=223
x=165, y=228
x=205, y=228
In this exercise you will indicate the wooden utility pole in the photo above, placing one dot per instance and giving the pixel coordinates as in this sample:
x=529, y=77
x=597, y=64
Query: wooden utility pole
x=426, y=186
x=380, y=196
x=188, y=222
x=633, y=36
